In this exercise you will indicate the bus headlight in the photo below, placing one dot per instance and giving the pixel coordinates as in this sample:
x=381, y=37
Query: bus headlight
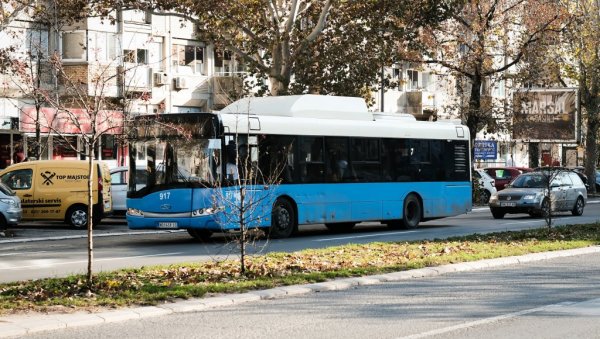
x=135, y=212
x=206, y=211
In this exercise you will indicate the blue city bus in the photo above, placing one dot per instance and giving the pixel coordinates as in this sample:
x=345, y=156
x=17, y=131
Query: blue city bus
x=295, y=160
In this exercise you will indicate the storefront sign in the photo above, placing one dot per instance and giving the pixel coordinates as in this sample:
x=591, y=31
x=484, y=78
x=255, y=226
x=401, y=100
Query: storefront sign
x=72, y=121
x=546, y=115
x=485, y=149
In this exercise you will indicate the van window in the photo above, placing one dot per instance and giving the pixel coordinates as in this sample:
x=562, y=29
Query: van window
x=19, y=179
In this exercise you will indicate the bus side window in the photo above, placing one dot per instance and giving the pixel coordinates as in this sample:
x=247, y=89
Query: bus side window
x=312, y=167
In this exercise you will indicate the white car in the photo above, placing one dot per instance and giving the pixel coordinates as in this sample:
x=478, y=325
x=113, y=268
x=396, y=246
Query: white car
x=119, y=177
x=486, y=184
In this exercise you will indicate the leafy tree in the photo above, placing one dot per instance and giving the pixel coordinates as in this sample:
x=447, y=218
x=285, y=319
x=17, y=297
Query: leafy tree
x=578, y=57
x=481, y=41
x=305, y=46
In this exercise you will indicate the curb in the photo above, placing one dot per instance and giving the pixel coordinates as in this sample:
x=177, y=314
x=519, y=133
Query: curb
x=19, y=325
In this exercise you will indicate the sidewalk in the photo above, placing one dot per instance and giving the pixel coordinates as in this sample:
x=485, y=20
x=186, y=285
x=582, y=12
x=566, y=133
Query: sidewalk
x=21, y=325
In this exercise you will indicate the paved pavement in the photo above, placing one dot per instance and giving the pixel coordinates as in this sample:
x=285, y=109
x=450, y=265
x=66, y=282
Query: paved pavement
x=21, y=325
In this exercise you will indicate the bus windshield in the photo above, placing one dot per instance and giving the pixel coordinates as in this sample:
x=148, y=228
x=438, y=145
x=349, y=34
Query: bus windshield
x=173, y=154
x=175, y=163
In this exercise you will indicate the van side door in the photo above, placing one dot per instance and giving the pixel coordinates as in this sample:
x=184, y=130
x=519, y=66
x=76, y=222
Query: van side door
x=22, y=181
x=50, y=193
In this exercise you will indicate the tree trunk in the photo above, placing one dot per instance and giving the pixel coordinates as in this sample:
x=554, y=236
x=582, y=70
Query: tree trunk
x=591, y=147
x=90, y=242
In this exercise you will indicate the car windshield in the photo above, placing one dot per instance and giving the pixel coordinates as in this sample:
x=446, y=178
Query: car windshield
x=6, y=190
x=530, y=181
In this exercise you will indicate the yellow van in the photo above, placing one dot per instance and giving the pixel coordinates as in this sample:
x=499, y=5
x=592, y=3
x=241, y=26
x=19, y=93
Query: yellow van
x=57, y=190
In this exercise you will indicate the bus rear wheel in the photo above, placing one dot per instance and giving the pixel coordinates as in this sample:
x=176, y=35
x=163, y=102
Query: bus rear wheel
x=340, y=226
x=283, y=219
x=412, y=211
x=201, y=235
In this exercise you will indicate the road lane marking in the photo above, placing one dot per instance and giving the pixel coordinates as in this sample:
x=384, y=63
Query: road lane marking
x=50, y=264
x=365, y=236
x=485, y=321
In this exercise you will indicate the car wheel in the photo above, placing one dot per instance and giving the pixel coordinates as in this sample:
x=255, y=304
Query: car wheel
x=283, y=219
x=411, y=215
x=485, y=196
x=201, y=235
x=77, y=216
x=578, y=208
x=497, y=214
x=545, y=209
x=340, y=226
x=3, y=223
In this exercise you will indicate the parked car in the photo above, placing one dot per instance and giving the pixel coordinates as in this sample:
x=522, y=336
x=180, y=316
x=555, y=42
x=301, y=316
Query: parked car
x=504, y=175
x=528, y=194
x=119, y=177
x=486, y=185
x=10, y=207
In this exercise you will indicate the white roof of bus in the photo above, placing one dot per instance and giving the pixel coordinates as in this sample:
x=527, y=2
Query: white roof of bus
x=329, y=116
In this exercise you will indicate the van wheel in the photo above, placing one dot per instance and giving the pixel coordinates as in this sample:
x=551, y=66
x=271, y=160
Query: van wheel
x=77, y=216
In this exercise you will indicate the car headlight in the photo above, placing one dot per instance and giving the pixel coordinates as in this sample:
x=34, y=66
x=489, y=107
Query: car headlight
x=494, y=197
x=8, y=201
x=529, y=197
x=135, y=212
x=206, y=211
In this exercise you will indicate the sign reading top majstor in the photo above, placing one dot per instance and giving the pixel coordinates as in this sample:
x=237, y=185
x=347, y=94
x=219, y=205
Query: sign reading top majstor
x=545, y=115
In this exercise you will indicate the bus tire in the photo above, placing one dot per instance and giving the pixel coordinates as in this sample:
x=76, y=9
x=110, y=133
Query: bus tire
x=283, y=219
x=77, y=216
x=411, y=212
x=200, y=235
x=340, y=226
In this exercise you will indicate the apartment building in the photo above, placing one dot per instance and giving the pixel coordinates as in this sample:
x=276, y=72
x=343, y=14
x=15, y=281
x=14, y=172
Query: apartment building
x=150, y=65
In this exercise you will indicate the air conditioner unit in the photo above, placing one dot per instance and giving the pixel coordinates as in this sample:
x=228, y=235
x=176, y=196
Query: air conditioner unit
x=160, y=79
x=180, y=83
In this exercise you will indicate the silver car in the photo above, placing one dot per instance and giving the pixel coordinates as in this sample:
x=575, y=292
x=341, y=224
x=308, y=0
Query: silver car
x=10, y=207
x=528, y=194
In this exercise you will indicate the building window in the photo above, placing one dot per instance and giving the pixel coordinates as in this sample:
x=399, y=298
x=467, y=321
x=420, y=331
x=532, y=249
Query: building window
x=136, y=56
x=188, y=56
x=36, y=43
x=223, y=62
x=102, y=46
x=412, y=80
x=73, y=46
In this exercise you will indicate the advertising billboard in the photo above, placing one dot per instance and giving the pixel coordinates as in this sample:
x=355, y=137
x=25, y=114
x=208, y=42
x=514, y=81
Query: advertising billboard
x=485, y=149
x=545, y=115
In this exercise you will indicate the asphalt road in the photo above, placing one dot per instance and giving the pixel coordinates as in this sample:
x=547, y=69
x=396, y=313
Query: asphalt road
x=556, y=298
x=50, y=250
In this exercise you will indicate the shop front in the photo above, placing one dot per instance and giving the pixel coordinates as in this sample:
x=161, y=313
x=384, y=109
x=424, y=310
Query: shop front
x=63, y=135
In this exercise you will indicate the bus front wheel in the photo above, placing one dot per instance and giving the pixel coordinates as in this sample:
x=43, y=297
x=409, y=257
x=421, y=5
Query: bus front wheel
x=411, y=215
x=283, y=219
x=202, y=235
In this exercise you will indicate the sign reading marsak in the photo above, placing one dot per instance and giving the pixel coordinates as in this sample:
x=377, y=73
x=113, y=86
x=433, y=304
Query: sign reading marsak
x=545, y=115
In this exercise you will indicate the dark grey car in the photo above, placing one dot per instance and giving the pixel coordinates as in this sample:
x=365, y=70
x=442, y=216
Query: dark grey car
x=528, y=194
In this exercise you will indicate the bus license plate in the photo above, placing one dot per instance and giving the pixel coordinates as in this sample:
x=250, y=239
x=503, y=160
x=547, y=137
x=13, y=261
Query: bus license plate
x=167, y=225
x=508, y=204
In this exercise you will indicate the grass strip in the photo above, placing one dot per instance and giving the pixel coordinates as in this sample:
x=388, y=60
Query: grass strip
x=159, y=284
